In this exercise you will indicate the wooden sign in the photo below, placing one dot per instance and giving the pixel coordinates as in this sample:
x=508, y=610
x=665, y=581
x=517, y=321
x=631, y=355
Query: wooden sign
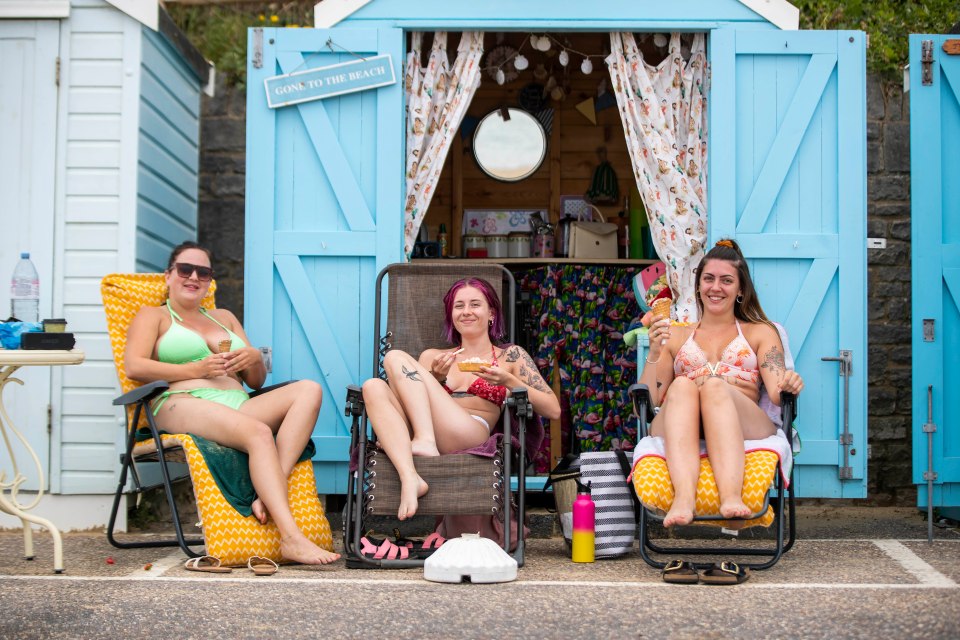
x=951, y=47
x=326, y=82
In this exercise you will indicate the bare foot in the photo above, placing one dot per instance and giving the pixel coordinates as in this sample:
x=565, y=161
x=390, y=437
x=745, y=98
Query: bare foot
x=259, y=511
x=408, y=501
x=734, y=509
x=424, y=448
x=299, y=549
x=679, y=514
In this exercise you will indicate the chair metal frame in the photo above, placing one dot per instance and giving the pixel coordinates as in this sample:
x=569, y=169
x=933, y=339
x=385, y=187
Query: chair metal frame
x=518, y=405
x=783, y=502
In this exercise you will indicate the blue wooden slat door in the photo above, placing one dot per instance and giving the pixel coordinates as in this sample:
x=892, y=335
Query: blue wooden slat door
x=322, y=217
x=935, y=238
x=788, y=182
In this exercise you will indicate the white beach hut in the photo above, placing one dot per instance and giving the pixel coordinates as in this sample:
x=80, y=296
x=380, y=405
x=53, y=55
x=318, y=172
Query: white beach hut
x=99, y=154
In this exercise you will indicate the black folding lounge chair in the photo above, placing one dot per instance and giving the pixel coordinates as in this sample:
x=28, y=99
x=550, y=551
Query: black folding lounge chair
x=459, y=483
x=784, y=523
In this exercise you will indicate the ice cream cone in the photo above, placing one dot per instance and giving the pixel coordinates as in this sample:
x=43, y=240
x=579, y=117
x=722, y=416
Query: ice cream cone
x=661, y=309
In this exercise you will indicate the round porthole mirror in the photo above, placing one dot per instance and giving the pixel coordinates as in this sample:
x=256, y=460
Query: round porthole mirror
x=511, y=148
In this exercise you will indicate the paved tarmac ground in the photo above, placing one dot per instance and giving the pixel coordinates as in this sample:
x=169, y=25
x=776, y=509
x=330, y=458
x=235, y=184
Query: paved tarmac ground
x=855, y=572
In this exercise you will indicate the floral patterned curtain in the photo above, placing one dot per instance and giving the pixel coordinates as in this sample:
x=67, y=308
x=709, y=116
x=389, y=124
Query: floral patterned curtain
x=663, y=110
x=437, y=100
x=580, y=314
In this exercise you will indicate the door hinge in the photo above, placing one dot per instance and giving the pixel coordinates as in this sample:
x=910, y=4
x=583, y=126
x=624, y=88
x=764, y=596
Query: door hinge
x=258, y=48
x=56, y=72
x=49, y=419
x=926, y=63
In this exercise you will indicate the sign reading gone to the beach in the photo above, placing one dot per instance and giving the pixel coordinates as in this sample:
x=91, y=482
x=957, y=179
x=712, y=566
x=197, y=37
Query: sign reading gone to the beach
x=326, y=82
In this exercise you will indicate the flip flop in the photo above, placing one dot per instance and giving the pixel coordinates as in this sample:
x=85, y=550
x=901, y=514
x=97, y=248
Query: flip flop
x=262, y=566
x=725, y=573
x=680, y=572
x=418, y=548
x=385, y=550
x=205, y=564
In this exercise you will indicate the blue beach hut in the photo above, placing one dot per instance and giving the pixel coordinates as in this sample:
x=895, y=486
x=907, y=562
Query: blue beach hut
x=332, y=189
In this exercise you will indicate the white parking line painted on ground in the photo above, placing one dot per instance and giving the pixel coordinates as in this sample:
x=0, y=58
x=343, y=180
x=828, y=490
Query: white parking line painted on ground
x=910, y=561
x=159, y=567
x=562, y=584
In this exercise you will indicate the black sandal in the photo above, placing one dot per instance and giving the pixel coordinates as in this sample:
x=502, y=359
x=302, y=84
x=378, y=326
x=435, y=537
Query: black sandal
x=680, y=572
x=725, y=573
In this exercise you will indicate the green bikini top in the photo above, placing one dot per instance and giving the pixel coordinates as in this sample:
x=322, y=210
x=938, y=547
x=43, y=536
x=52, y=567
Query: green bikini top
x=180, y=345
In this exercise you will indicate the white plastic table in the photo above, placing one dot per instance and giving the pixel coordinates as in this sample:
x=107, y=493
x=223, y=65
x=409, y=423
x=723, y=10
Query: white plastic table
x=10, y=361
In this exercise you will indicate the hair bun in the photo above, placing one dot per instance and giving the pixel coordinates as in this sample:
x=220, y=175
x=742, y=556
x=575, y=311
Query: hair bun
x=724, y=243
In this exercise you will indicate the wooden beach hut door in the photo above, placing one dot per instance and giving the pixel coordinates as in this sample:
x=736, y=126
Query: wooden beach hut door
x=788, y=181
x=29, y=50
x=324, y=185
x=935, y=238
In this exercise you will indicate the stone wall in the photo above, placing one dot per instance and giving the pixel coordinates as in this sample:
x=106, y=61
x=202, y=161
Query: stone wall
x=888, y=296
x=888, y=215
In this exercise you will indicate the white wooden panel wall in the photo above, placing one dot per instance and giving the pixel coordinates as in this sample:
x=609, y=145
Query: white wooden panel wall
x=100, y=53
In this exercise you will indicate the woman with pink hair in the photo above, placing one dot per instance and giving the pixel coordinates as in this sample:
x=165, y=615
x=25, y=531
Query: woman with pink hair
x=428, y=406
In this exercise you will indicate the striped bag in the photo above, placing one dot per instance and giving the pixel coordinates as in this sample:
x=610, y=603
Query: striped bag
x=615, y=501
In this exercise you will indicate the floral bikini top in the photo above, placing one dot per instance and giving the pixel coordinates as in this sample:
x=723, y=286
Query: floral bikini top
x=495, y=393
x=737, y=360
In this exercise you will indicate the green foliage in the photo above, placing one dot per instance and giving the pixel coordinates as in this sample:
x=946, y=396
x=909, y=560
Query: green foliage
x=220, y=31
x=888, y=22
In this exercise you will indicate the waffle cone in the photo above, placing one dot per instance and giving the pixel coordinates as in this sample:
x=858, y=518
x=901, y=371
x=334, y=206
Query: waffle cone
x=661, y=308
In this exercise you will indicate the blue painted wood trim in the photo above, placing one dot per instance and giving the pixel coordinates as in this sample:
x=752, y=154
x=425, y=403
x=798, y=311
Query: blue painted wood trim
x=791, y=245
x=784, y=149
x=852, y=132
x=330, y=154
x=325, y=243
x=551, y=12
x=721, y=103
x=258, y=271
x=391, y=186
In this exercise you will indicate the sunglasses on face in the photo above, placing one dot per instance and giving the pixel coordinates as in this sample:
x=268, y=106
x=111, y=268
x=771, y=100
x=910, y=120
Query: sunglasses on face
x=185, y=270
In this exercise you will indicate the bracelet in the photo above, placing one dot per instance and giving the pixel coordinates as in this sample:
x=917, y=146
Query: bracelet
x=648, y=361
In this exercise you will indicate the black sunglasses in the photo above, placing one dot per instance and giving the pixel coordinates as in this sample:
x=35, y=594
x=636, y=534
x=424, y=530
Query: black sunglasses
x=185, y=270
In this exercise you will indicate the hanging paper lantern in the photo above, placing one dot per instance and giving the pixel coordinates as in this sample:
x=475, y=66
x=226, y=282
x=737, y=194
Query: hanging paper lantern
x=501, y=76
x=564, y=58
x=587, y=66
x=520, y=62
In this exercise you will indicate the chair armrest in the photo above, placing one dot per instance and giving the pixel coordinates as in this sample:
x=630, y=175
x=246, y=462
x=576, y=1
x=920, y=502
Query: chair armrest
x=642, y=405
x=263, y=390
x=144, y=393
x=788, y=408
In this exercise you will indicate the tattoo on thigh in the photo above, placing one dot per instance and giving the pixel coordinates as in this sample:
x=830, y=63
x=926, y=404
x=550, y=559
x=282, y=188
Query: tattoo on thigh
x=774, y=362
x=411, y=374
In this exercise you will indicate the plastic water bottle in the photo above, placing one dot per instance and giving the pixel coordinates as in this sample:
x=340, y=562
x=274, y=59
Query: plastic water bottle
x=583, y=525
x=25, y=291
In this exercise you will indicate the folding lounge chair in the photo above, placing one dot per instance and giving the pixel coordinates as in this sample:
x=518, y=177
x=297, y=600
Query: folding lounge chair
x=226, y=534
x=763, y=468
x=459, y=483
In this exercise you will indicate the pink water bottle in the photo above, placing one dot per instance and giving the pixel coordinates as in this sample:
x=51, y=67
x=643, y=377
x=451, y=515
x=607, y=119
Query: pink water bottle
x=583, y=525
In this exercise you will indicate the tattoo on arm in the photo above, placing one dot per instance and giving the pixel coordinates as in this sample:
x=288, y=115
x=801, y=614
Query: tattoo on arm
x=411, y=374
x=512, y=354
x=529, y=374
x=774, y=362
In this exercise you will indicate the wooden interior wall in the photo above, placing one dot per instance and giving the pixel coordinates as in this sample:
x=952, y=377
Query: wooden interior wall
x=571, y=153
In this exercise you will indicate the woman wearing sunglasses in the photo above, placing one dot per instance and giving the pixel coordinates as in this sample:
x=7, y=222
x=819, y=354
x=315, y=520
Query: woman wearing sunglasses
x=206, y=357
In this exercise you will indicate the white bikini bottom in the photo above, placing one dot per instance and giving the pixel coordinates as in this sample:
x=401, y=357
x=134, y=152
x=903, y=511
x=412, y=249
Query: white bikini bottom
x=481, y=421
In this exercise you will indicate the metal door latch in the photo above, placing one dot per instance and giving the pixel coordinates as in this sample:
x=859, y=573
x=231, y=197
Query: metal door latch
x=926, y=63
x=928, y=335
x=846, y=438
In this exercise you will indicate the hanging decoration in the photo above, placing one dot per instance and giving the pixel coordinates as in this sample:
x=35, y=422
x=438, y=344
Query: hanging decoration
x=496, y=64
x=587, y=109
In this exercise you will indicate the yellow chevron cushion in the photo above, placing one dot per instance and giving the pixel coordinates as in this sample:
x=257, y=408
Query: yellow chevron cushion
x=234, y=538
x=651, y=481
x=227, y=535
